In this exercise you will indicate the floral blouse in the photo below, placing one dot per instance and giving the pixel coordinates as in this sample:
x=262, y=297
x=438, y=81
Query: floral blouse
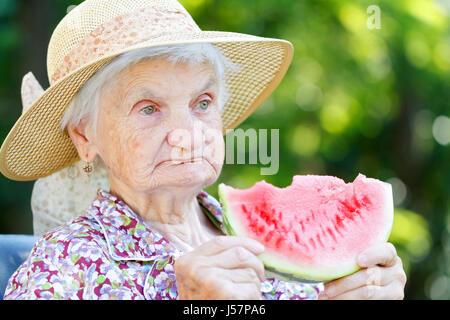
x=111, y=253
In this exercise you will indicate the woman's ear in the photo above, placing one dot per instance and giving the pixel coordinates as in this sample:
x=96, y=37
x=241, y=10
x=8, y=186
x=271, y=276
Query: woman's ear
x=82, y=139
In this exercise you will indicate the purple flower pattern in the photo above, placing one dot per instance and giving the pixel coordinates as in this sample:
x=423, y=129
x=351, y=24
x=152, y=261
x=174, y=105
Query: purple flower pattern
x=111, y=253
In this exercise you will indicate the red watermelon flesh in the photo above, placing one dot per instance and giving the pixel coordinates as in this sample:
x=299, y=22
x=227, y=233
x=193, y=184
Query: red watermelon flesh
x=313, y=229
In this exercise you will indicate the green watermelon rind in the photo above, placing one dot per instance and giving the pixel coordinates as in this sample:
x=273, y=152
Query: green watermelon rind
x=287, y=271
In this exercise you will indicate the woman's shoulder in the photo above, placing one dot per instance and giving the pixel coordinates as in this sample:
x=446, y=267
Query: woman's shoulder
x=55, y=258
x=82, y=228
x=81, y=236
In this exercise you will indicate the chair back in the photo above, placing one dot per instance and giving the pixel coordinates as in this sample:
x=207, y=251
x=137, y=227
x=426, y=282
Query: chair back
x=14, y=249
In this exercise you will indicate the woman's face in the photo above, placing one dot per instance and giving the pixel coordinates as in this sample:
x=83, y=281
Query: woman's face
x=155, y=119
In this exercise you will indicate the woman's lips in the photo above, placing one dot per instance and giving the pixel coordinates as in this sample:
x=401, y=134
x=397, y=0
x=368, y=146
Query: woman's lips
x=180, y=161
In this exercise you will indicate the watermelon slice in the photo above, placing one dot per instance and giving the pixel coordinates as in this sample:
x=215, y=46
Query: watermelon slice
x=314, y=229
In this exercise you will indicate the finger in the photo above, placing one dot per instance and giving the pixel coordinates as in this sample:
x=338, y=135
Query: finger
x=392, y=291
x=243, y=291
x=383, y=254
x=361, y=293
x=222, y=243
x=370, y=276
x=238, y=258
x=224, y=289
x=246, y=275
x=249, y=291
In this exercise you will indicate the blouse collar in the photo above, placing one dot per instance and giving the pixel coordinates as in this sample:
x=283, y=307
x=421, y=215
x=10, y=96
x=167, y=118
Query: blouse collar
x=129, y=237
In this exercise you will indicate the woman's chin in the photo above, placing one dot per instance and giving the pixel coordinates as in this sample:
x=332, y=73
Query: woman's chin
x=188, y=173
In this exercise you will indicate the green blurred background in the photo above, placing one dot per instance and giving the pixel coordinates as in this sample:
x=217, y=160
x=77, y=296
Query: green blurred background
x=356, y=99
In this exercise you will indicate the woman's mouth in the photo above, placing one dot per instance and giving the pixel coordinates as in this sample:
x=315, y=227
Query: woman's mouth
x=182, y=161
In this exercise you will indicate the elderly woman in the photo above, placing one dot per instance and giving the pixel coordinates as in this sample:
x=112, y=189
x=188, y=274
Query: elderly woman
x=154, y=114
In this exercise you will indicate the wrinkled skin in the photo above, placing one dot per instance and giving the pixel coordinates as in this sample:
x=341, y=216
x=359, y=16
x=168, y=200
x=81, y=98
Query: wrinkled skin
x=381, y=278
x=137, y=134
x=225, y=268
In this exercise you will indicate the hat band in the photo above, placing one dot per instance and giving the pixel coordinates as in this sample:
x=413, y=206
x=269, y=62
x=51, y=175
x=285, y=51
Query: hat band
x=124, y=31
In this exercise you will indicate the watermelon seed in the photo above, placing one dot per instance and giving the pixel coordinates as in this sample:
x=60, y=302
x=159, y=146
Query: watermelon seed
x=304, y=246
x=311, y=241
x=268, y=236
x=311, y=214
x=366, y=201
x=330, y=232
x=337, y=229
x=261, y=229
x=320, y=241
x=323, y=233
x=278, y=242
x=339, y=222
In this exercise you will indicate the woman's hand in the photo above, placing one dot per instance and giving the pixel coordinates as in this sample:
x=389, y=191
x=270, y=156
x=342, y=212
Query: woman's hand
x=382, y=277
x=223, y=268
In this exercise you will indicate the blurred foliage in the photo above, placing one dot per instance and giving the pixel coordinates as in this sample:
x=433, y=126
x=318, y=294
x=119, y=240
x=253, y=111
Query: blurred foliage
x=355, y=99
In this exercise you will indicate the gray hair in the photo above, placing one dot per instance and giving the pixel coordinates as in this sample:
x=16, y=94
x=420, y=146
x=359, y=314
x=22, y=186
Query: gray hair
x=85, y=102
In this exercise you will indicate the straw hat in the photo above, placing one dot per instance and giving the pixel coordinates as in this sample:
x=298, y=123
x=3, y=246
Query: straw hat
x=97, y=31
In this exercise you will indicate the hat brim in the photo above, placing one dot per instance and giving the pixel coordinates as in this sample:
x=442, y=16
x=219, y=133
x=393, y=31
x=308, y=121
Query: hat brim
x=37, y=147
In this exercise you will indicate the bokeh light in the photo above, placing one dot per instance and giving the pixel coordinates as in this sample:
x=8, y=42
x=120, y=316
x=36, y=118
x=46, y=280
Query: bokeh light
x=410, y=232
x=399, y=190
x=305, y=140
x=417, y=49
x=309, y=96
x=441, y=130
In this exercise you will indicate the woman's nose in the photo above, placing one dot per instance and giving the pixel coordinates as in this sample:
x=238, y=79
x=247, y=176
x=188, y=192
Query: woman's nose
x=188, y=137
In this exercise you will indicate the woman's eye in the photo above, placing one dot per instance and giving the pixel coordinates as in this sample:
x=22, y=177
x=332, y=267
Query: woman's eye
x=148, y=110
x=202, y=105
